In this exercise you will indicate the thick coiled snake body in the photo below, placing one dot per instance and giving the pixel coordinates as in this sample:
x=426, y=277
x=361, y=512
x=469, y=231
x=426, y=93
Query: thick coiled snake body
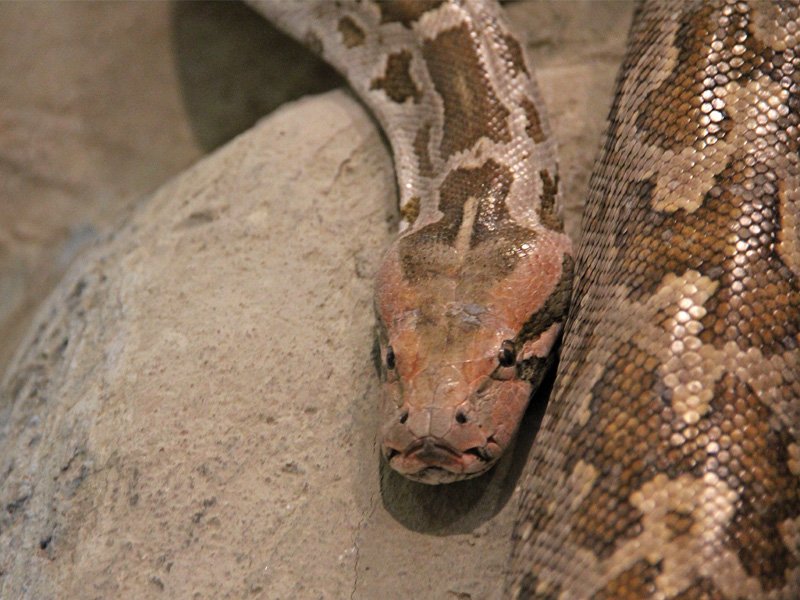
x=668, y=460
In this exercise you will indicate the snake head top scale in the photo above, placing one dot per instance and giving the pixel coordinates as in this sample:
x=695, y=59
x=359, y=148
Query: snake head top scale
x=462, y=348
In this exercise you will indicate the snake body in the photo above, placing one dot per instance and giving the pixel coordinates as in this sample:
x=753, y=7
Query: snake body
x=471, y=298
x=668, y=460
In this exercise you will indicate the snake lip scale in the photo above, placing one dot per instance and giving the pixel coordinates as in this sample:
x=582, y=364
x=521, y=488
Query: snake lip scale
x=431, y=458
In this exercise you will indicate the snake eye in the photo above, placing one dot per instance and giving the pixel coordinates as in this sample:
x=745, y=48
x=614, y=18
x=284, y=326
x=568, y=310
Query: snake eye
x=507, y=355
x=390, y=361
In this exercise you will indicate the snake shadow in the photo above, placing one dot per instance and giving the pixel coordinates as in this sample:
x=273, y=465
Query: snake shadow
x=464, y=506
x=234, y=68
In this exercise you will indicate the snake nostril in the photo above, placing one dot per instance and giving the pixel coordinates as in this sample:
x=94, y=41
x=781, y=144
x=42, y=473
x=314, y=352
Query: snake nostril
x=404, y=417
x=461, y=417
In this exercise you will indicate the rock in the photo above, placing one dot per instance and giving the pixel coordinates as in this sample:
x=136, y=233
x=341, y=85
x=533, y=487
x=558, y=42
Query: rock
x=195, y=410
x=100, y=104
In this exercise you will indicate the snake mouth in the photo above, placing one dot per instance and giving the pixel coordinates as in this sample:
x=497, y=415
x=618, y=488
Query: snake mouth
x=433, y=460
x=433, y=448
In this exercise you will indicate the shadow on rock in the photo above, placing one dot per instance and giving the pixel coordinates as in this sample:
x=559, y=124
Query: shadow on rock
x=234, y=68
x=464, y=506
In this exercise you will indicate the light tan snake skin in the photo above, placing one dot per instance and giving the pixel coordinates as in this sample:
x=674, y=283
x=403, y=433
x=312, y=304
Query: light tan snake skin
x=668, y=460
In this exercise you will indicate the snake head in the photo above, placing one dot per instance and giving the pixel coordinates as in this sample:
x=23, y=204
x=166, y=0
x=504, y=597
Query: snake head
x=460, y=359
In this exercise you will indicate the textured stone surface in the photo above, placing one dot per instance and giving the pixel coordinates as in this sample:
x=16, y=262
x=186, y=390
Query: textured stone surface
x=191, y=413
x=195, y=411
x=101, y=103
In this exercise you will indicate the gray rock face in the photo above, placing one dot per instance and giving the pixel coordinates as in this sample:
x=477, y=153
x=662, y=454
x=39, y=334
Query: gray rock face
x=195, y=412
x=101, y=103
x=192, y=414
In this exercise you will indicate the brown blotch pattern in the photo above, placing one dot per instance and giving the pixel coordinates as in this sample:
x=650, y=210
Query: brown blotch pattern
x=406, y=11
x=534, y=126
x=352, y=34
x=753, y=457
x=547, y=202
x=676, y=124
x=397, y=82
x=471, y=107
x=513, y=55
x=732, y=238
x=410, y=210
x=634, y=433
x=493, y=227
x=421, y=141
x=621, y=400
x=636, y=582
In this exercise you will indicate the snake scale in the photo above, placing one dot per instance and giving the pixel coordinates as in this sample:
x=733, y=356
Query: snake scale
x=668, y=459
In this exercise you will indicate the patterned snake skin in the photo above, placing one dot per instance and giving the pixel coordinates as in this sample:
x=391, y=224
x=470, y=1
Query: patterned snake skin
x=668, y=461
x=667, y=464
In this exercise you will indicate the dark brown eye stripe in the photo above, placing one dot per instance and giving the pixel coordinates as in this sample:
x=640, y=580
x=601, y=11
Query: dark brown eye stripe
x=547, y=202
x=554, y=309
